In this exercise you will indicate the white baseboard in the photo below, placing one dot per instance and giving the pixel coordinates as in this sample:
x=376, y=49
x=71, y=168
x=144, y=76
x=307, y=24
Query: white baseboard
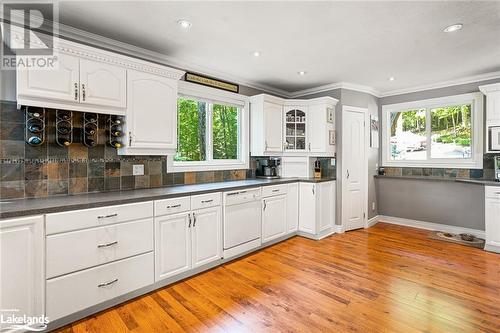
x=371, y=222
x=338, y=229
x=429, y=225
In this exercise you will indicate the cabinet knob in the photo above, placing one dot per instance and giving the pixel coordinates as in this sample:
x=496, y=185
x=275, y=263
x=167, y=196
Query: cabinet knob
x=76, y=91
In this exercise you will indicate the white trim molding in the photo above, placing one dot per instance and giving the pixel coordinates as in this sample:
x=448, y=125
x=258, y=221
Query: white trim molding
x=371, y=222
x=430, y=225
x=477, y=111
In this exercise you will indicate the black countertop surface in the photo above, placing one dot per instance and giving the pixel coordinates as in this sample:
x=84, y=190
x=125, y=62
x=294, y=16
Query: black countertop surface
x=36, y=206
x=483, y=182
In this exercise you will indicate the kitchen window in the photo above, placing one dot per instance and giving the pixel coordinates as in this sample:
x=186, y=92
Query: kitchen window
x=442, y=132
x=212, y=129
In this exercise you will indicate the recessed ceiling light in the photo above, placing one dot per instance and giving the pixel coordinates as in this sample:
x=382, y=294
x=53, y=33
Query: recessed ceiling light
x=256, y=54
x=302, y=73
x=185, y=24
x=391, y=78
x=453, y=27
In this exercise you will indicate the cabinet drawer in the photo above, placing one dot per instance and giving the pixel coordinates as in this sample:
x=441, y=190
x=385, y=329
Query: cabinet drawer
x=274, y=190
x=74, y=292
x=87, y=218
x=172, y=206
x=76, y=250
x=492, y=192
x=206, y=200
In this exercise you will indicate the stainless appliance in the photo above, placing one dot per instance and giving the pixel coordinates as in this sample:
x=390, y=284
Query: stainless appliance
x=495, y=138
x=496, y=159
x=268, y=167
x=242, y=221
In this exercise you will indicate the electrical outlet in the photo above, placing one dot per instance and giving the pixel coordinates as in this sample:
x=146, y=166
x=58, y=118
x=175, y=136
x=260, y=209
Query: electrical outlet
x=332, y=162
x=138, y=170
x=373, y=205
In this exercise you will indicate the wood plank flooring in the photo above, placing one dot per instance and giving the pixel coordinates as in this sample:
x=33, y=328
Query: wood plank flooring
x=383, y=279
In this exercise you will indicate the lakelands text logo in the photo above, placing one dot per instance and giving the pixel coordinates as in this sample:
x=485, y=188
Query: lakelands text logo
x=28, y=35
x=11, y=320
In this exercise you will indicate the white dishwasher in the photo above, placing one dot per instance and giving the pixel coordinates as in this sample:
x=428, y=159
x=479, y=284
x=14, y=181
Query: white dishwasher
x=242, y=221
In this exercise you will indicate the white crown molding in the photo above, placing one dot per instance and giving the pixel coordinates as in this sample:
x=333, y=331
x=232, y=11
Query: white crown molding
x=443, y=84
x=333, y=86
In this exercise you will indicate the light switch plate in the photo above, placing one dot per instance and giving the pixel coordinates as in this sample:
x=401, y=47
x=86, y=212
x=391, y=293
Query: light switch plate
x=138, y=170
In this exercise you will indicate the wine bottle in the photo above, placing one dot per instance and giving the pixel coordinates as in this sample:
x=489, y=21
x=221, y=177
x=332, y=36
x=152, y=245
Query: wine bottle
x=115, y=121
x=64, y=115
x=35, y=140
x=34, y=114
x=64, y=142
x=90, y=142
x=116, y=133
x=90, y=117
x=64, y=127
x=35, y=125
x=116, y=144
x=90, y=129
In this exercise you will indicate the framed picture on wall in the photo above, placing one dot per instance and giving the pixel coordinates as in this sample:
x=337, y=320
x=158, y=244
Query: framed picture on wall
x=374, y=129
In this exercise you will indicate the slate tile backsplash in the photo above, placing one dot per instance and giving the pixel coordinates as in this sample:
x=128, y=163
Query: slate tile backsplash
x=47, y=170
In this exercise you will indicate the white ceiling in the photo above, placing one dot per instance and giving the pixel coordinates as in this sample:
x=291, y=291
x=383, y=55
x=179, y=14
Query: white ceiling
x=356, y=42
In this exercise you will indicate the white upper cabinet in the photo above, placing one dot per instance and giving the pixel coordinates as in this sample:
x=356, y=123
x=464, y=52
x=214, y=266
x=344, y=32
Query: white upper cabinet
x=103, y=84
x=22, y=266
x=58, y=84
x=292, y=127
x=151, y=122
x=492, y=92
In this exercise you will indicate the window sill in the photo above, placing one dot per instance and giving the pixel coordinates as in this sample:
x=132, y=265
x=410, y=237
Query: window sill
x=196, y=167
x=451, y=165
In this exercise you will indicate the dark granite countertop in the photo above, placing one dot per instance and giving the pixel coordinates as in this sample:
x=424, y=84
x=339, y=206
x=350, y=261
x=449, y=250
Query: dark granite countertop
x=483, y=182
x=25, y=207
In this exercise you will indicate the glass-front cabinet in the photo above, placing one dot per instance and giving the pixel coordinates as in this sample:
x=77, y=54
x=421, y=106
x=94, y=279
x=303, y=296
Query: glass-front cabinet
x=295, y=129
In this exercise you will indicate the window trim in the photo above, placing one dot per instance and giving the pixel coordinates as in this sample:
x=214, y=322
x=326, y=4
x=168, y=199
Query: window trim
x=477, y=112
x=211, y=96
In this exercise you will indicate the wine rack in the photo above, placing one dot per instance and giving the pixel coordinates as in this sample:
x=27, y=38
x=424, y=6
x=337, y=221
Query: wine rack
x=64, y=128
x=90, y=129
x=115, y=131
x=35, y=126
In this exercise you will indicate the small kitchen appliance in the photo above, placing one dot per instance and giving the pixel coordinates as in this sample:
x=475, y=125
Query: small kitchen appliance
x=496, y=159
x=317, y=169
x=268, y=167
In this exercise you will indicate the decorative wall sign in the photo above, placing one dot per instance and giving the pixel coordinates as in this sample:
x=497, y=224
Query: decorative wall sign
x=330, y=114
x=374, y=129
x=214, y=83
x=331, y=137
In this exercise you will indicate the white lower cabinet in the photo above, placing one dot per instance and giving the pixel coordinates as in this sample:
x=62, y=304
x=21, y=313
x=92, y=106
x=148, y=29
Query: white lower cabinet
x=77, y=291
x=190, y=239
x=172, y=245
x=492, y=218
x=273, y=217
x=22, y=266
x=317, y=208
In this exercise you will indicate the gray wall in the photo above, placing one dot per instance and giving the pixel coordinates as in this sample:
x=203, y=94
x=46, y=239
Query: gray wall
x=357, y=99
x=446, y=202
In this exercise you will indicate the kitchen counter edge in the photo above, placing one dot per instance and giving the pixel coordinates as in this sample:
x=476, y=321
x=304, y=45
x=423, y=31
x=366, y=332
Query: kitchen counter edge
x=483, y=182
x=40, y=206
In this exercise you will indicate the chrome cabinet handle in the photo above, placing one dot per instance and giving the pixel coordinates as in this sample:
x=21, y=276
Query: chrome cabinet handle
x=276, y=190
x=107, y=216
x=130, y=138
x=189, y=216
x=207, y=201
x=309, y=145
x=266, y=145
x=104, y=284
x=100, y=246
x=174, y=206
x=265, y=205
x=194, y=220
x=313, y=190
x=76, y=91
x=83, y=91
x=347, y=173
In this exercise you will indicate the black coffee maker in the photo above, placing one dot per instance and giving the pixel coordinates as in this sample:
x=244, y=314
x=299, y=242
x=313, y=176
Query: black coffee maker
x=268, y=167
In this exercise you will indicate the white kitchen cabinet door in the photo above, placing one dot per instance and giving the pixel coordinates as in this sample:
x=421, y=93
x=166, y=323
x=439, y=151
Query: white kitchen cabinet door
x=273, y=217
x=492, y=224
x=326, y=198
x=103, y=84
x=307, y=210
x=273, y=114
x=58, y=84
x=292, y=207
x=206, y=236
x=317, y=131
x=22, y=278
x=172, y=245
x=151, y=114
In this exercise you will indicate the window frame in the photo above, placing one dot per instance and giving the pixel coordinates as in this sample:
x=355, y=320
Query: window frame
x=477, y=146
x=215, y=96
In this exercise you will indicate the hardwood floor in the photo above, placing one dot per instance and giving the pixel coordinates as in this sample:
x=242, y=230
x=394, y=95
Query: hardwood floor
x=383, y=279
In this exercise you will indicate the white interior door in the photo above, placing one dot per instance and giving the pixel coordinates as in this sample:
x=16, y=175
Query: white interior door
x=353, y=168
x=103, y=84
x=207, y=236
